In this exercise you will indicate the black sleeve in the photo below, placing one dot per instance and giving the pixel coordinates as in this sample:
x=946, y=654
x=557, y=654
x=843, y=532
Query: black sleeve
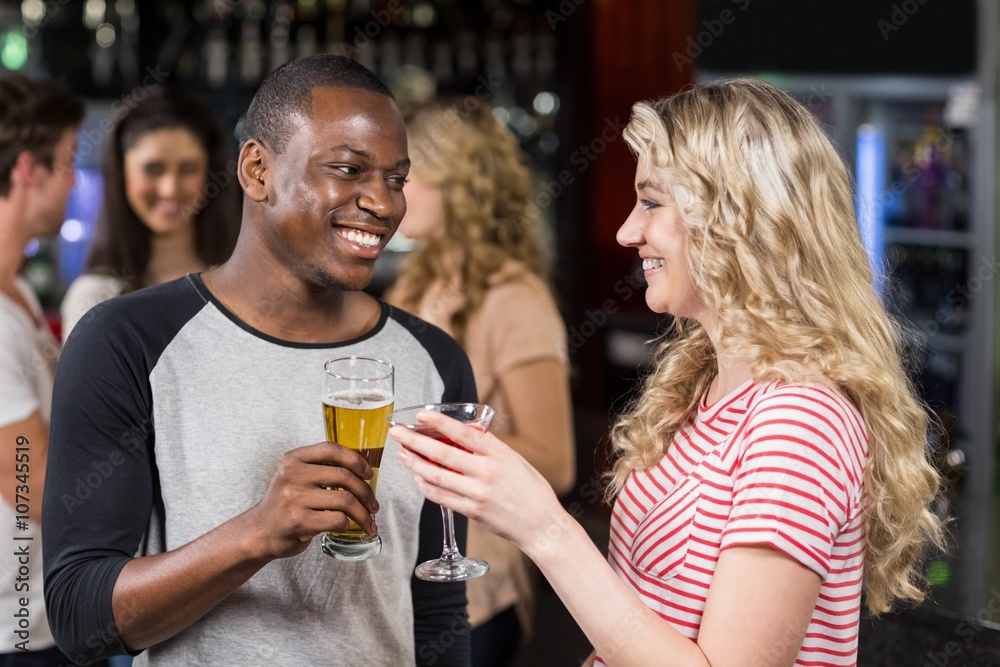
x=441, y=620
x=100, y=484
x=441, y=629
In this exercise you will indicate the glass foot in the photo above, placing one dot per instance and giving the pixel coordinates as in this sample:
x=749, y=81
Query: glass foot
x=459, y=569
x=351, y=550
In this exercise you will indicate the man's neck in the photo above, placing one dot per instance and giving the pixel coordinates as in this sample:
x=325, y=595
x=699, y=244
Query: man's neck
x=270, y=298
x=13, y=239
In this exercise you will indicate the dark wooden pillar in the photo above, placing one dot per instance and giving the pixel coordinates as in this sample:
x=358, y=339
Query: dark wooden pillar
x=637, y=51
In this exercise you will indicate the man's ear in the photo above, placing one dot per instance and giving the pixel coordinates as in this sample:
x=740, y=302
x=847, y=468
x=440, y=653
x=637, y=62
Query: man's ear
x=252, y=170
x=24, y=172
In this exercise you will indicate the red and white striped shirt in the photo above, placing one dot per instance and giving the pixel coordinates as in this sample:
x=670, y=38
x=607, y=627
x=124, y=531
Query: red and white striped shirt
x=776, y=465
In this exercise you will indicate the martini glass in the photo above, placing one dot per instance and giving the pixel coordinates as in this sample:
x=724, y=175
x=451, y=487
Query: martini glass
x=452, y=565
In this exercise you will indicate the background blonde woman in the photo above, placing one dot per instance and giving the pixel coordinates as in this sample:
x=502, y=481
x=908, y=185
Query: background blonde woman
x=777, y=454
x=479, y=273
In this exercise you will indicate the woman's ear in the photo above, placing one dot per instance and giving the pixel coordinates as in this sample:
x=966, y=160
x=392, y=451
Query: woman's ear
x=252, y=170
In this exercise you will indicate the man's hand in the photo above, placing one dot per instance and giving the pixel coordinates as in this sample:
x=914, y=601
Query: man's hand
x=315, y=489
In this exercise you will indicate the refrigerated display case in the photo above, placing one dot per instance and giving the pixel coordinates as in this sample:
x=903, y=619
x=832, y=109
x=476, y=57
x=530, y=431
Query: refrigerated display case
x=923, y=160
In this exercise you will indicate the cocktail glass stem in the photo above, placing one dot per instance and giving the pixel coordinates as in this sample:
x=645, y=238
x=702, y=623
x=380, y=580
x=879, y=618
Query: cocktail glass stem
x=450, y=552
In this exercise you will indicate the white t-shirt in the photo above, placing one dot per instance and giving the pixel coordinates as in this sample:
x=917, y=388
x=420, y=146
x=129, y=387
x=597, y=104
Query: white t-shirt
x=86, y=292
x=28, y=355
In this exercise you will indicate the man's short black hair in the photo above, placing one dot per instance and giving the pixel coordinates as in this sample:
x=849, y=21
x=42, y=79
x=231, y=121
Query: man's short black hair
x=287, y=92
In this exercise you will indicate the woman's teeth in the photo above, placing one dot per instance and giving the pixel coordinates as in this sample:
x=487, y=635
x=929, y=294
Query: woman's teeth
x=361, y=238
x=649, y=264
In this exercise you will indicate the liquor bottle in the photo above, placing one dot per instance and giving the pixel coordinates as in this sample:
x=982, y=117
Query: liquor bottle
x=216, y=57
x=251, y=50
x=280, y=40
x=442, y=65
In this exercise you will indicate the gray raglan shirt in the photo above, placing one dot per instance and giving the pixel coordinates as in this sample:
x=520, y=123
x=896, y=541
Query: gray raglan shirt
x=169, y=418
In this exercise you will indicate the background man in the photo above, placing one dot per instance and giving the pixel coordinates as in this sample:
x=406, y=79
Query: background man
x=38, y=126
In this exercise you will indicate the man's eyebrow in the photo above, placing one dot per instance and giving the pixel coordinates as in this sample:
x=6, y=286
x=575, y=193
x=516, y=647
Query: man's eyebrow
x=402, y=164
x=357, y=151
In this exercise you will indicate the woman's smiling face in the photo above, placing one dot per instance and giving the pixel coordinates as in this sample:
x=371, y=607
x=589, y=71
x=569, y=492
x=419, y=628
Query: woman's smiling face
x=165, y=175
x=656, y=230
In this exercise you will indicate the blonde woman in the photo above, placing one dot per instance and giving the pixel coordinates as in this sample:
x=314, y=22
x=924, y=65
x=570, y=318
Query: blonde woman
x=776, y=456
x=479, y=273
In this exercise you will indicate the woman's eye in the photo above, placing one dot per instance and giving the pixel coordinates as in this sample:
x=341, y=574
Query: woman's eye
x=648, y=205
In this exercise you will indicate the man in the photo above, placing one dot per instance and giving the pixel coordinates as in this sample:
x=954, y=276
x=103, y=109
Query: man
x=38, y=126
x=190, y=428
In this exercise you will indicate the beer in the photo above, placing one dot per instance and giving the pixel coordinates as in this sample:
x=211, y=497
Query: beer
x=357, y=421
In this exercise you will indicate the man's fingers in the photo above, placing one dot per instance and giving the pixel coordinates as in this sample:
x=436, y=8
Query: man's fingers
x=333, y=454
x=331, y=506
x=329, y=477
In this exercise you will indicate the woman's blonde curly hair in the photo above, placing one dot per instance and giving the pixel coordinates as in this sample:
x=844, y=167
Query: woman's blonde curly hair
x=457, y=144
x=774, y=248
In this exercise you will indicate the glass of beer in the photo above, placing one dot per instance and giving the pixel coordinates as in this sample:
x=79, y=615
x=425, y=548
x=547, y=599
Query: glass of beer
x=357, y=396
x=452, y=565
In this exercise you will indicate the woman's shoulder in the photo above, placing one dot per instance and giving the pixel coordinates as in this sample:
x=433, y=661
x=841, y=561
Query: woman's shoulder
x=803, y=395
x=83, y=294
x=515, y=280
x=819, y=408
x=92, y=286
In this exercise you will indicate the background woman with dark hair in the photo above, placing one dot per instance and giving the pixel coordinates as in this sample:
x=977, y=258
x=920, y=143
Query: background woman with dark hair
x=170, y=204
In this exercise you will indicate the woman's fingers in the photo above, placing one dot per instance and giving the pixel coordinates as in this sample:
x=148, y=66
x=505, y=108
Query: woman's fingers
x=447, y=498
x=467, y=436
x=449, y=456
x=439, y=476
x=427, y=447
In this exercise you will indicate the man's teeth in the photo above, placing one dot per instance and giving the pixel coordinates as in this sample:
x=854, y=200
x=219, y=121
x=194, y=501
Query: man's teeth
x=361, y=238
x=648, y=264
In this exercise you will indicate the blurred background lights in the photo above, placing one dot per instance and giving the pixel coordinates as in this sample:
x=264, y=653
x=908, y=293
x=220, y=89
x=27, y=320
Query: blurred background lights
x=72, y=231
x=549, y=142
x=32, y=11
x=526, y=125
x=93, y=13
x=13, y=50
x=424, y=15
x=105, y=35
x=502, y=115
x=546, y=103
x=522, y=122
x=938, y=573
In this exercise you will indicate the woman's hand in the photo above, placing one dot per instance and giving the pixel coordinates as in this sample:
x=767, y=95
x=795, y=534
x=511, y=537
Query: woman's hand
x=490, y=483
